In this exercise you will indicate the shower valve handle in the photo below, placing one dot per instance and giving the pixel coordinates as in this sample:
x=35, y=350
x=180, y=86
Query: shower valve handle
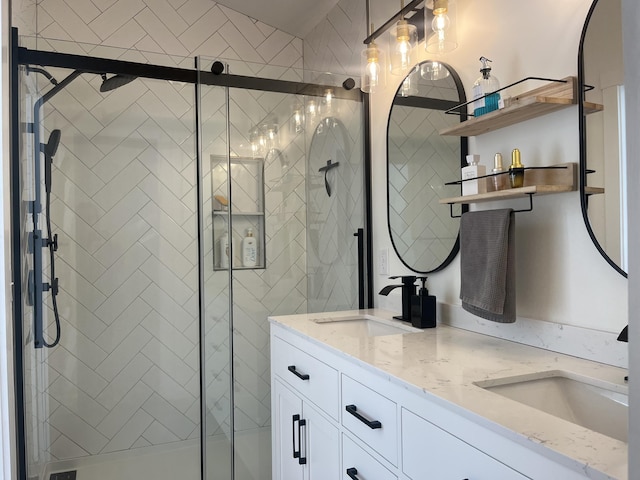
x=53, y=243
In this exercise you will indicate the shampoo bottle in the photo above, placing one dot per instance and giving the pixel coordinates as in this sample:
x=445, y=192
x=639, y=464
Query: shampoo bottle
x=223, y=253
x=249, y=249
x=485, y=85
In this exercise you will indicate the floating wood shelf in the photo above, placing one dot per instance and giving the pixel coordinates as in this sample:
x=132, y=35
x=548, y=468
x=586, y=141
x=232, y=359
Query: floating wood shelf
x=534, y=103
x=590, y=107
x=508, y=193
x=593, y=190
x=537, y=182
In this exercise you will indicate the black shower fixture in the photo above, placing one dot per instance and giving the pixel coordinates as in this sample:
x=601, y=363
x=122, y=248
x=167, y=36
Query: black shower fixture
x=114, y=82
x=217, y=68
x=41, y=71
x=349, y=83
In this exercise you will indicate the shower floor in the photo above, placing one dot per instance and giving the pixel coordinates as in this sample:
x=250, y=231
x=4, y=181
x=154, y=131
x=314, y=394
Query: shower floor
x=253, y=462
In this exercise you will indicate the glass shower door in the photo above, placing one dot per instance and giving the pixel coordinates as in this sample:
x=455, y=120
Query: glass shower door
x=119, y=395
x=267, y=183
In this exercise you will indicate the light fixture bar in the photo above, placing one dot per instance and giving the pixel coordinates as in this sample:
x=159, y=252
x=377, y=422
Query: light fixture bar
x=389, y=23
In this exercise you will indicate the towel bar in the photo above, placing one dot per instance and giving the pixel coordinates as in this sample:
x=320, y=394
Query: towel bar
x=515, y=211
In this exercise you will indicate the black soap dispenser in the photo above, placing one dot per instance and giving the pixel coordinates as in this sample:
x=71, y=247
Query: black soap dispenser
x=423, y=307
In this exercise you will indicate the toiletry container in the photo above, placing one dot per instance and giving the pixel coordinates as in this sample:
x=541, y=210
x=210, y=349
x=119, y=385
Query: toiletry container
x=249, y=249
x=473, y=170
x=498, y=180
x=423, y=307
x=223, y=250
x=516, y=170
x=486, y=84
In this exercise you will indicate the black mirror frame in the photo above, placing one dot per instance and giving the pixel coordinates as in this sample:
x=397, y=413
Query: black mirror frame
x=464, y=150
x=582, y=128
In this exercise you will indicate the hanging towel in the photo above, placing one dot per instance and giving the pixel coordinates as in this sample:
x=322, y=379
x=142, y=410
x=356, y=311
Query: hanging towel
x=487, y=264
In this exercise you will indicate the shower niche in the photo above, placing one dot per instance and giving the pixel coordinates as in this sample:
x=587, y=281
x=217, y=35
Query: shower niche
x=242, y=216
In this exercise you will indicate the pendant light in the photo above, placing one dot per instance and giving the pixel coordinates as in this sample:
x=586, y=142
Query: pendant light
x=440, y=26
x=432, y=70
x=404, y=38
x=372, y=62
x=373, y=71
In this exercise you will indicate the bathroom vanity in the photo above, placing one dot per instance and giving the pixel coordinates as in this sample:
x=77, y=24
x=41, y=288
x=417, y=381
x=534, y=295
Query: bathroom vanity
x=357, y=395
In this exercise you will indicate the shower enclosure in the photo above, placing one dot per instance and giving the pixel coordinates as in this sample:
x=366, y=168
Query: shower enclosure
x=141, y=328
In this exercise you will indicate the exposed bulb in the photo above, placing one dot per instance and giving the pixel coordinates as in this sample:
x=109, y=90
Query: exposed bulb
x=403, y=52
x=373, y=66
x=440, y=25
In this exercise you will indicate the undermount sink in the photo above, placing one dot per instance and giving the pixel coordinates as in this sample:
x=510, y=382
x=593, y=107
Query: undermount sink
x=366, y=325
x=594, y=404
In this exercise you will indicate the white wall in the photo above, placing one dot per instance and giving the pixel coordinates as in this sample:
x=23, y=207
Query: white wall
x=631, y=37
x=561, y=276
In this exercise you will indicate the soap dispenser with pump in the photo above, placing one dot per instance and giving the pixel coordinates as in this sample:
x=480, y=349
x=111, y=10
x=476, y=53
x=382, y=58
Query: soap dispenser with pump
x=423, y=307
x=484, y=91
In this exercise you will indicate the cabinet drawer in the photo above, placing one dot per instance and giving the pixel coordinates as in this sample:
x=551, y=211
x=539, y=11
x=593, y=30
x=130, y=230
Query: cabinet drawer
x=430, y=452
x=309, y=376
x=371, y=417
x=360, y=464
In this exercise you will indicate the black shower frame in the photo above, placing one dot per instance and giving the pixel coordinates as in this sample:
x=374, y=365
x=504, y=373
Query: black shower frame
x=24, y=56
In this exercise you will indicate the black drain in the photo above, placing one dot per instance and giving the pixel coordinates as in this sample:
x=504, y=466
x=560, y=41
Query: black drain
x=63, y=475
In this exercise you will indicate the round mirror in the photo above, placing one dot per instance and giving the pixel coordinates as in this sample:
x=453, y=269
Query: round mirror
x=602, y=131
x=419, y=163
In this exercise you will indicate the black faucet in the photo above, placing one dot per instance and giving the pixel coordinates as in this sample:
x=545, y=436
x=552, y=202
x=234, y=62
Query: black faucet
x=408, y=290
x=624, y=335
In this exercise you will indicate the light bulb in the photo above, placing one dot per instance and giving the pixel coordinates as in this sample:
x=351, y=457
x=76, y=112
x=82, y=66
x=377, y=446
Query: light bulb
x=443, y=27
x=373, y=66
x=403, y=52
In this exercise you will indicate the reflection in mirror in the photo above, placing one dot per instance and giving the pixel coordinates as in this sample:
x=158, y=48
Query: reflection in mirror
x=330, y=175
x=602, y=132
x=419, y=163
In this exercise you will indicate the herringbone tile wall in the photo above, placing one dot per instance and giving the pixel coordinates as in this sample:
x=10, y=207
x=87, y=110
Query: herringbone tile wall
x=126, y=372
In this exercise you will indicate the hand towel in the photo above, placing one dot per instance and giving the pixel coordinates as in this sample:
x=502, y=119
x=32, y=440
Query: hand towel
x=487, y=264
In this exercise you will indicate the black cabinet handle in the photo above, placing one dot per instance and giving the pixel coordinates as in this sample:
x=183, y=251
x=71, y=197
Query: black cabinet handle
x=294, y=419
x=302, y=423
x=352, y=473
x=372, y=424
x=301, y=376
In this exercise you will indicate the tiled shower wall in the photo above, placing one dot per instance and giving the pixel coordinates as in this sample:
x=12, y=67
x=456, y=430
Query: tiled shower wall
x=334, y=46
x=126, y=372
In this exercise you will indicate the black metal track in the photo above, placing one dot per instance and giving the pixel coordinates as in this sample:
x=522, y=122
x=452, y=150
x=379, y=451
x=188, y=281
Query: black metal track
x=176, y=74
x=368, y=219
x=16, y=267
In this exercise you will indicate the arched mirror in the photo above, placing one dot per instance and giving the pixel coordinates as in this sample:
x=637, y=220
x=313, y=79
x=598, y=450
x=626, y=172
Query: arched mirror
x=419, y=163
x=602, y=131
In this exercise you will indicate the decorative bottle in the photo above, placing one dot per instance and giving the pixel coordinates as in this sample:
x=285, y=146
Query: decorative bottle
x=473, y=170
x=516, y=170
x=249, y=249
x=486, y=84
x=498, y=180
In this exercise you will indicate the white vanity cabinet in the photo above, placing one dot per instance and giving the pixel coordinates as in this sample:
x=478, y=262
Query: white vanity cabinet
x=307, y=444
x=335, y=417
x=306, y=440
x=430, y=452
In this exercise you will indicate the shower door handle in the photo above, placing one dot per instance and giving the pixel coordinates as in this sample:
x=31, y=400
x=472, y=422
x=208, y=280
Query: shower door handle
x=360, y=235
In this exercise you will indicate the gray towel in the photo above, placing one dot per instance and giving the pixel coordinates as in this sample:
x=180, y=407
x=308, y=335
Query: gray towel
x=487, y=264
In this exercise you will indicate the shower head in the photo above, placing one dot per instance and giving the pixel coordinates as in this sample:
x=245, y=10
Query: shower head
x=114, y=82
x=51, y=147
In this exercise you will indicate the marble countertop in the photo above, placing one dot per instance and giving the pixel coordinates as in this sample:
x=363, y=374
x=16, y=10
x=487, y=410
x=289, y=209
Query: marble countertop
x=445, y=363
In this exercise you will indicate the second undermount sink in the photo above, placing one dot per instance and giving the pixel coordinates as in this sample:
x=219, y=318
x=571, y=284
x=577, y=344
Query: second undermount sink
x=594, y=404
x=367, y=325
